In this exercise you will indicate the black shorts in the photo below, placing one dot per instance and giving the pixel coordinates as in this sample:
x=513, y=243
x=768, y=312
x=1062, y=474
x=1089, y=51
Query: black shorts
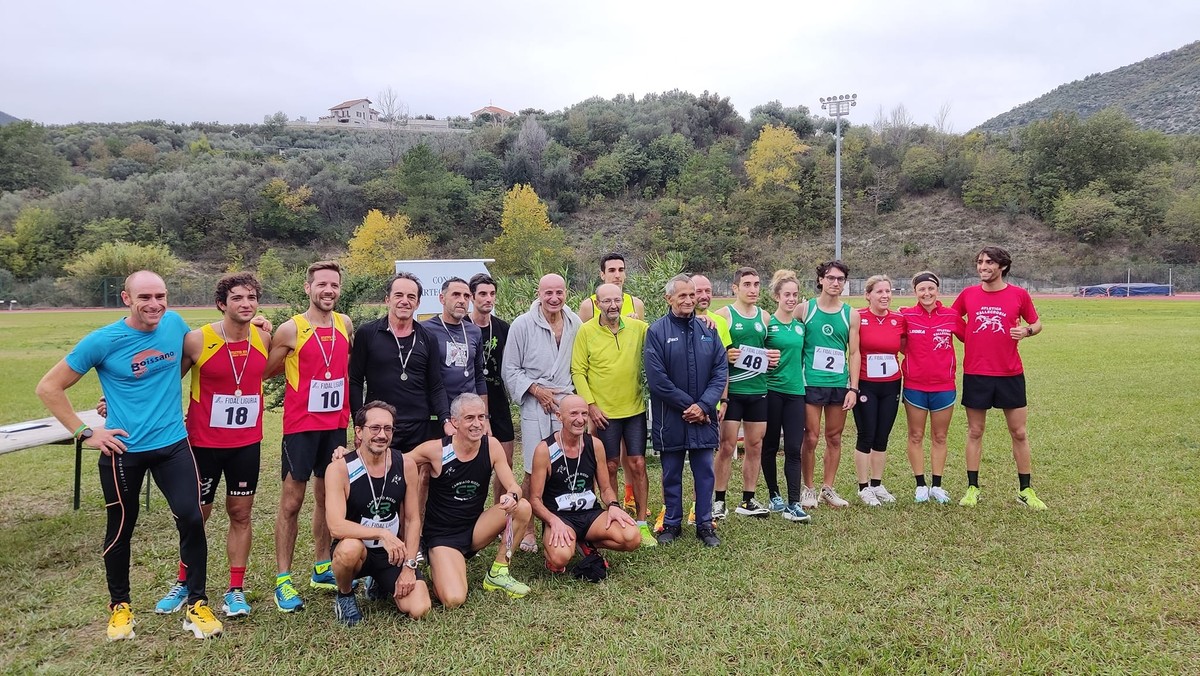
x=308, y=453
x=500, y=418
x=825, y=396
x=631, y=430
x=408, y=434
x=580, y=522
x=377, y=566
x=747, y=408
x=984, y=392
x=462, y=541
x=239, y=465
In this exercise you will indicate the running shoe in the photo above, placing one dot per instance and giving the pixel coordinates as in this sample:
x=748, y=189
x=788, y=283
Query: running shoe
x=647, y=537
x=173, y=601
x=970, y=498
x=808, y=498
x=883, y=494
x=776, y=504
x=121, y=622
x=503, y=581
x=658, y=523
x=719, y=511
x=345, y=609
x=372, y=590
x=939, y=494
x=752, y=507
x=708, y=536
x=322, y=577
x=629, y=504
x=287, y=599
x=831, y=498
x=669, y=534
x=691, y=515
x=868, y=497
x=200, y=620
x=921, y=494
x=235, y=603
x=795, y=512
x=1030, y=499
x=552, y=569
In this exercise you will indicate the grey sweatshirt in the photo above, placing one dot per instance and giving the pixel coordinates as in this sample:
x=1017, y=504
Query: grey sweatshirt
x=532, y=356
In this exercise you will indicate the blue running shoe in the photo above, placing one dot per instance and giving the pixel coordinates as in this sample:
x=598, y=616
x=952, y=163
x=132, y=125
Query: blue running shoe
x=345, y=609
x=795, y=513
x=322, y=577
x=287, y=599
x=173, y=601
x=777, y=504
x=235, y=603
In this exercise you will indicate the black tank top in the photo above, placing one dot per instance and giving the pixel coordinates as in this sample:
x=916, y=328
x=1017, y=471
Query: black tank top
x=457, y=496
x=376, y=502
x=576, y=477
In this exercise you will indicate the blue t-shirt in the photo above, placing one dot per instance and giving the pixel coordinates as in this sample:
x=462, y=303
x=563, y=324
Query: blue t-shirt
x=139, y=373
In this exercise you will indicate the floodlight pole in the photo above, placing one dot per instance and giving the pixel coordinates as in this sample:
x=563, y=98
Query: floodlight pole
x=838, y=106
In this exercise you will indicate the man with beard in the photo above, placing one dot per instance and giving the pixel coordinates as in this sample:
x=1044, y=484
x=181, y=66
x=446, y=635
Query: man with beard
x=369, y=496
x=313, y=349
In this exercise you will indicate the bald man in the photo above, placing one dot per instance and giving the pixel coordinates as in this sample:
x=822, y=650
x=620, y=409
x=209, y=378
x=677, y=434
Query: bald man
x=139, y=360
x=537, y=370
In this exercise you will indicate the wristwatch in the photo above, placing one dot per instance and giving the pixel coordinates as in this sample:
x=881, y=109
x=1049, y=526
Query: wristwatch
x=410, y=563
x=85, y=434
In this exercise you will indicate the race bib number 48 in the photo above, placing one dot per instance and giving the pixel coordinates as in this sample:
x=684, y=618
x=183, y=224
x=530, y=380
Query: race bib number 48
x=232, y=412
x=753, y=359
x=325, y=396
x=829, y=360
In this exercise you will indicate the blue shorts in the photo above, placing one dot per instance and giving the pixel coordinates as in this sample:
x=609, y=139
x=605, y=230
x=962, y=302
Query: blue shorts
x=929, y=401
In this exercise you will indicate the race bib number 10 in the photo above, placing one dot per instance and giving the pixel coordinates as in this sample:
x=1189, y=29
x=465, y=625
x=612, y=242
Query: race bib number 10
x=753, y=359
x=325, y=396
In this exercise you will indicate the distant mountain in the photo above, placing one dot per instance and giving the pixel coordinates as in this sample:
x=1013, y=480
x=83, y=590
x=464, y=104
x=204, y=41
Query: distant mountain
x=5, y=118
x=1162, y=92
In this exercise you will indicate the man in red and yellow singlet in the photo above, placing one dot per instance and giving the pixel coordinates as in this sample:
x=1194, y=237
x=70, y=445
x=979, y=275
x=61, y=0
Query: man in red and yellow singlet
x=313, y=350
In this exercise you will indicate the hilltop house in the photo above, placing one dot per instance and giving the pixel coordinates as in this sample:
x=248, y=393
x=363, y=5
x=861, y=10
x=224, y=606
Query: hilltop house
x=495, y=114
x=356, y=111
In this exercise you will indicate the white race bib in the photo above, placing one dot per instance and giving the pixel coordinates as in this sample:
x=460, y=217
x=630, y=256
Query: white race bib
x=881, y=365
x=392, y=525
x=828, y=360
x=230, y=412
x=456, y=354
x=576, y=502
x=325, y=396
x=753, y=359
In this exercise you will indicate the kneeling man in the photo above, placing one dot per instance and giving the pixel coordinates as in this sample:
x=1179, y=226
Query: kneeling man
x=368, y=494
x=562, y=496
x=457, y=525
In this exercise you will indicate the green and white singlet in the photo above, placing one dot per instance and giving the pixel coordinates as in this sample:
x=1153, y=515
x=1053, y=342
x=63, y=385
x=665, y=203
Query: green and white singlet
x=788, y=337
x=827, y=334
x=751, y=332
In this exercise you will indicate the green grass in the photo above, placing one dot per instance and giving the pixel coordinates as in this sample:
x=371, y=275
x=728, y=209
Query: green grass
x=1104, y=582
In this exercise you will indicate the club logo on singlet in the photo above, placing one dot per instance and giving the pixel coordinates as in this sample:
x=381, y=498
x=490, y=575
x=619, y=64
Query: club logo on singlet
x=827, y=329
x=381, y=509
x=561, y=469
x=580, y=484
x=465, y=490
x=148, y=361
x=941, y=342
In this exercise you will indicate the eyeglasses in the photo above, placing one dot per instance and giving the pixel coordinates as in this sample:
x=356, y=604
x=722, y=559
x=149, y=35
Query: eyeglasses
x=834, y=280
x=376, y=429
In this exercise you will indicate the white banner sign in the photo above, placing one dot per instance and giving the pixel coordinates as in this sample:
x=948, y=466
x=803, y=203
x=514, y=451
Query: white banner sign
x=433, y=273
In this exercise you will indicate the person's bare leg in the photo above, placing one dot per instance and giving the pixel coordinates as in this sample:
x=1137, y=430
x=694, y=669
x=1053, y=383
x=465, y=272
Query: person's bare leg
x=347, y=559
x=291, y=499
x=237, y=542
x=529, y=540
x=878, y=463
x=752, y=462
x=635, y=473
x=449, y=571
x=835, y=422
x=808, y=450
x=976, y=423
x=939, y=429
x=320, y=531
x=1016, y=418
x=723, y=464
x=915, y=417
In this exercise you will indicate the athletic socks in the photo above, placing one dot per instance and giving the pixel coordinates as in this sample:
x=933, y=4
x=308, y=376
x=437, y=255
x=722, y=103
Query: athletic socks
x=876, y=482
x=1023, y=479
x=747, y=496
x=285, y=576
x=321, y=567
x=720, y=496
x=973, y=478
x=183, y=571
x=237, y=577
x=920, y=479
x=863, y=486
x=937, y=480
x=498, y=568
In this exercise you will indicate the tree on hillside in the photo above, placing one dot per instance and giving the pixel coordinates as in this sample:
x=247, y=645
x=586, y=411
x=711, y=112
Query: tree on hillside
x=380, y=241
x=528, y=239
x=27, y=161
x=37, y=244
x=394, y=113
x=286, y=212
x=774, y=159
x=434, y=199
x=117, y=259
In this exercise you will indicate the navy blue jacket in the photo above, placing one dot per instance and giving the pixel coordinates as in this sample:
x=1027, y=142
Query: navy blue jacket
x=685, y=365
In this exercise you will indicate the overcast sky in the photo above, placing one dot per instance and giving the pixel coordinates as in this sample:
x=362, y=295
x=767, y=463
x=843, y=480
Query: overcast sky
x=228, y=61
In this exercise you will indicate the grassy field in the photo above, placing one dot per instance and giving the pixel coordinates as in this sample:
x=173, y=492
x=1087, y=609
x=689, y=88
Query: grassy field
x=1106, y=581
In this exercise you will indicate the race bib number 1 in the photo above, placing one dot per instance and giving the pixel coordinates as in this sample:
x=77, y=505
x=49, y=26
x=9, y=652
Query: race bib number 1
x=576, y=502
x=753, y=359
x=881, y=365
x=829, y=360
x=325, y=396
x=231, y=412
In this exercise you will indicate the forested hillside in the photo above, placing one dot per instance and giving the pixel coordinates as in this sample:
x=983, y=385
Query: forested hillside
x=1160, y=93
x=664, y=172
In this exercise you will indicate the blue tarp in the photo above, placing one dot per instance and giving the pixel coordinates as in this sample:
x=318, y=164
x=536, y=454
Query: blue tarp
x=1123, y=290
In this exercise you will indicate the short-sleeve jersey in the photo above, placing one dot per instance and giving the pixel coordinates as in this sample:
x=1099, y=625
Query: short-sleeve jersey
x=319, y=350
x=879, y=344
x=788, y=337
x=139, y=374
x=215, y=377
x=752, y=332
x=988, y=349
x=824, y=334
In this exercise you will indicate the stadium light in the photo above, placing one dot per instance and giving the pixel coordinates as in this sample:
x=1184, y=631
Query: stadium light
x=838, y=107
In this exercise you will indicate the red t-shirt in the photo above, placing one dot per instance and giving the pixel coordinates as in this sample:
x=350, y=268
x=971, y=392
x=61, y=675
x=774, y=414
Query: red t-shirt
x=229, y=375
x=879, y=343
x=929, y=361
x=988, y=349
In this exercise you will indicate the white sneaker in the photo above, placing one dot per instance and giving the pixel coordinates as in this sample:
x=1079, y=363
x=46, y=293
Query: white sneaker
x=922, y=494
x=883, y=494
x=831, y=498
x=867, y=495
x=808, y=498
x=938, y=493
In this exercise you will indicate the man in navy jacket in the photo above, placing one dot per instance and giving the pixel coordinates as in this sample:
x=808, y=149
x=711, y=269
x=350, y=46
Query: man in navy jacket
x=686, y=370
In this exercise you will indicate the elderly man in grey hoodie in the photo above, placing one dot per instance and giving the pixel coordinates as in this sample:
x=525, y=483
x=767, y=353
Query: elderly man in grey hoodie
x=537, y=370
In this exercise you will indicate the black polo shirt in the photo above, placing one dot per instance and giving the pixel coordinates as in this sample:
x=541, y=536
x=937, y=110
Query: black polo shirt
x=376, y=365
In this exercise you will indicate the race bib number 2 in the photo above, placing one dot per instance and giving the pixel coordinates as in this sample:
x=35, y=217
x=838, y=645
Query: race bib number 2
x=325, y=396
x=753, y=359
x=232, y=412
x=829, y=360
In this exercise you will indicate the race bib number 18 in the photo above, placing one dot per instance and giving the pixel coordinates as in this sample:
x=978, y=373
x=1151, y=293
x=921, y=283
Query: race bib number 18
x=230, y=412
x=753, y=359
x=325, y=396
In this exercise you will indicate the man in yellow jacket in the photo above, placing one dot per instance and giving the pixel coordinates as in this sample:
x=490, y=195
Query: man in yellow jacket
x=606, y=367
